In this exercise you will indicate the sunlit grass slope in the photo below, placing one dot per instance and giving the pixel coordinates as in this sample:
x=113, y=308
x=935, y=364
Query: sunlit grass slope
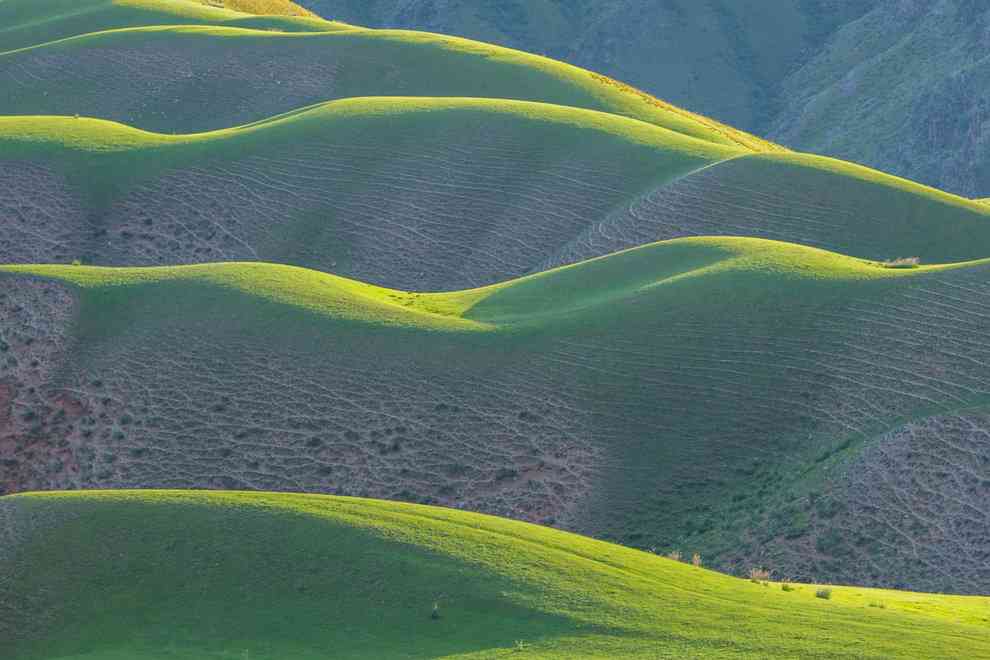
x=156, y=574
x=415, y=193
x=553, y=299
x=880, y=215
x=102, y=71
x=703, y=393
x=74, y=144
x=26, y=23
x=443, y=193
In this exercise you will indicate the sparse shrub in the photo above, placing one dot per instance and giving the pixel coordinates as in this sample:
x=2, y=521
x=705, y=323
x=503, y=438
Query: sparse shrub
x=696, y=560
x=520, y=645
x=759, y=575
x=824, y=593
x=879, y=604
x=902, y=262
x=675, y=555
x=786, y=587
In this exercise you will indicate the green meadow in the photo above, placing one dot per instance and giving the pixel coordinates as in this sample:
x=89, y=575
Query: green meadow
x=231, y=575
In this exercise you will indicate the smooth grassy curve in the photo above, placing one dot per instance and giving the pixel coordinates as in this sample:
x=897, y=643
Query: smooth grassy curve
x=277, y=576
x=318, y=174
x=412, y=192
x=32, y=22
x=686, y=393
x=367, y=62
x=562, y=295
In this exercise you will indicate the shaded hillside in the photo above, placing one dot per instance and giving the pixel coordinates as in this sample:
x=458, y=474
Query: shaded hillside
x=440, y=194
x=722, y=58
x=415, y=193
x=358, y=579
x=905, y=89
x=157, y=78
x=730, y=396
x=893, y=84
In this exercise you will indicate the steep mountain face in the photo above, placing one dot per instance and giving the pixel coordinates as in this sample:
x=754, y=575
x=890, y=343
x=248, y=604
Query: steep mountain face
x=893, y=84
x=905, y=88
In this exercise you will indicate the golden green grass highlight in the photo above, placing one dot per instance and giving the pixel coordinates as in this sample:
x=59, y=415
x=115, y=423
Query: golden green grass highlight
x=559, y=295
x=25, y=23
x=432, y=65
x=188, y=572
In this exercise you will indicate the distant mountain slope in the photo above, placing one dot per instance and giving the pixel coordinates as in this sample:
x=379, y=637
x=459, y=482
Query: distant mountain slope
x=188, y=79
x=894, y=84
x=294, y=576
x=440, y=194
x=905, y=88
x=728, y=396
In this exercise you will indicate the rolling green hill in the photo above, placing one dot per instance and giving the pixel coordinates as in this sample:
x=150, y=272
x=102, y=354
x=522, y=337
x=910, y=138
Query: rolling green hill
x=198, y=575
x=156, y=78
x=440, y=194
x=31, y=22
x=894, y=85
x=722, y=58
x=243, y=248
x=421, y=193
x=743, y=398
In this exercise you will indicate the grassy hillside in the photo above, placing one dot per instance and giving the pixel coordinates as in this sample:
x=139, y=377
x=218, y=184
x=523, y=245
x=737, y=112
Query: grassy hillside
x=155, y=78
x=722, y=58
x=31, y=22
x=358, y=579
x=820, y=76
x=718, y=395
x=440, y=194
x=420, y=193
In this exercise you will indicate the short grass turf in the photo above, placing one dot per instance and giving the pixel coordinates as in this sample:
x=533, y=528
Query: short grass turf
x=32, y=22
x=367, y=63
x=160, y=574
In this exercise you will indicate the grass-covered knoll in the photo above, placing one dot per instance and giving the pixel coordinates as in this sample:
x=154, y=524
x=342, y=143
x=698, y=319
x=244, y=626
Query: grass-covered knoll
x=151, y=574
x=25, y=23
x=714, y=395
x=723, y=58
x=414, y=193
x=440, y=193
x=801, y=198
x=158, y=78
x=824, y=77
